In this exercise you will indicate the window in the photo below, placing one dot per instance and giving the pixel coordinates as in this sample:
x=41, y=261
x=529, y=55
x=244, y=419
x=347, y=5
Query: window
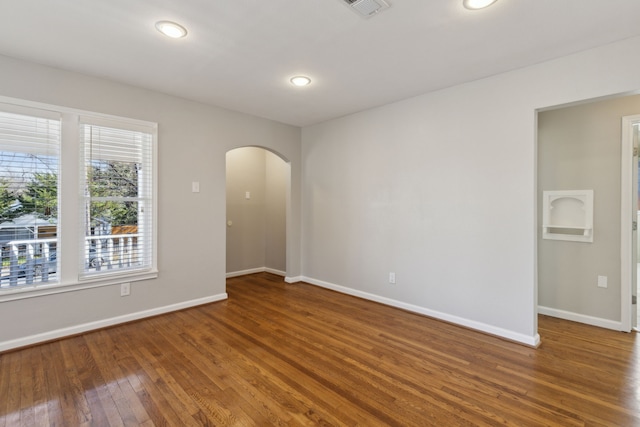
x=117, y=205
x=29, y=164
x=106, y=186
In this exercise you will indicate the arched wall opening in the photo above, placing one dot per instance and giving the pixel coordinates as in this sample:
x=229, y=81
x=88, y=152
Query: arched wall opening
x=258, y=183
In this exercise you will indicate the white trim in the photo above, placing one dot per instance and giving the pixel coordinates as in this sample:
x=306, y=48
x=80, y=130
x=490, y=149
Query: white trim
x=134, y=125
x=254, y=271
x=245, y=272
x=532, y=341
x=294, y=279
x=627, y=263
x=274, y=271
x=39, y=112
x=38, y=290
x=57, y=109
x=582, y=318
x=85, y=327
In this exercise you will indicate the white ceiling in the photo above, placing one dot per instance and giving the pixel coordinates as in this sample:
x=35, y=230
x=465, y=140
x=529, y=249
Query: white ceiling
x=240, y=54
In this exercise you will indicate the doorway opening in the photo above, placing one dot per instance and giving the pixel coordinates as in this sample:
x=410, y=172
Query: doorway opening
x=579, y=148
x=257, y=203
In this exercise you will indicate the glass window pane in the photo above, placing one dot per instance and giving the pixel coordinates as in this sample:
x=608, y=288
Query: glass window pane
x=117, y=188
x=113, y=179
x=29, y=159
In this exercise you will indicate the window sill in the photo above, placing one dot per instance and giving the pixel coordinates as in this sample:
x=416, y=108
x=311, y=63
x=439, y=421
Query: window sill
x=33, y=291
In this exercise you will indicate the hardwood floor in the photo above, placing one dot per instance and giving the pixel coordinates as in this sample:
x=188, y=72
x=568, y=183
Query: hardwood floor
x=281, y=354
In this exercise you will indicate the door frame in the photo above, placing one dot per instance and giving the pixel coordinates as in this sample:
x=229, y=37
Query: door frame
x=628, y=254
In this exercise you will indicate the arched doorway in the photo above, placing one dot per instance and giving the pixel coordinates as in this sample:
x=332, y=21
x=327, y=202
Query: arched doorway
x=257, y=195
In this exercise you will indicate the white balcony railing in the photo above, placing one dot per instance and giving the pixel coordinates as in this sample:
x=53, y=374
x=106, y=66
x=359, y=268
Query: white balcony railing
x=111, y=251
x=25, y=262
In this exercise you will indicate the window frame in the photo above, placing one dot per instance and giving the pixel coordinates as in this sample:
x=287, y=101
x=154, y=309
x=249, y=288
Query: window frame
x=43, y=142
x=70, y=277
x=147, y=218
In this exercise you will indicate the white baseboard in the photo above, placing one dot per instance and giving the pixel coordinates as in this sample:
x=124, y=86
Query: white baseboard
x=532, y=341
x=245, y=272
x=85, y=327
x=256, y=270
x=274, y=271
x=293, y=279
x=581, y=318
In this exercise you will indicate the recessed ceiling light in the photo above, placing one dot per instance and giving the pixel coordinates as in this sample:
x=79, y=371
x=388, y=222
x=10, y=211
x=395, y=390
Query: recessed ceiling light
x=300, y=80
x=477, y=4
x=171, y=29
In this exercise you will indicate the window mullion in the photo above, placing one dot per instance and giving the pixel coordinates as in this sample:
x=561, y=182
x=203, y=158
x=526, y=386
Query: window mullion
x=69, y=200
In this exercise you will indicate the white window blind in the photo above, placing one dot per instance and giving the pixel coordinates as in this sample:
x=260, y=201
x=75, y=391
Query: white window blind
x=117, y=203
x=29, y=183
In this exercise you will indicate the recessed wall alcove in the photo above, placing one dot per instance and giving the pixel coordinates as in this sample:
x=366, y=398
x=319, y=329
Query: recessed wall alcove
x=568, y=215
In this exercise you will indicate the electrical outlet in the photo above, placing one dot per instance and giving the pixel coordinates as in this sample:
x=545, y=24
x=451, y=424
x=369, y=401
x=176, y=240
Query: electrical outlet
x=392, y=278
x=602, y=281
x=125, y=289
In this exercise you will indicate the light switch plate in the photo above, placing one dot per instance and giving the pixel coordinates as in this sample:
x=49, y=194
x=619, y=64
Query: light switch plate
x=602, y=281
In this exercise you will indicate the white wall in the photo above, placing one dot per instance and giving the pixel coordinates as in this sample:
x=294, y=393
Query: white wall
x=441, y=190
x=276, y=182
x=193, y=139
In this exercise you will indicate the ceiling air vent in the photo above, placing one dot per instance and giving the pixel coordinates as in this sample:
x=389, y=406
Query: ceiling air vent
x=367, y=8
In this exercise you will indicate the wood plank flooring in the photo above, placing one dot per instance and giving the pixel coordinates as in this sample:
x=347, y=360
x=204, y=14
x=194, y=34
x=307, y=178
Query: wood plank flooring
x=297, y=355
